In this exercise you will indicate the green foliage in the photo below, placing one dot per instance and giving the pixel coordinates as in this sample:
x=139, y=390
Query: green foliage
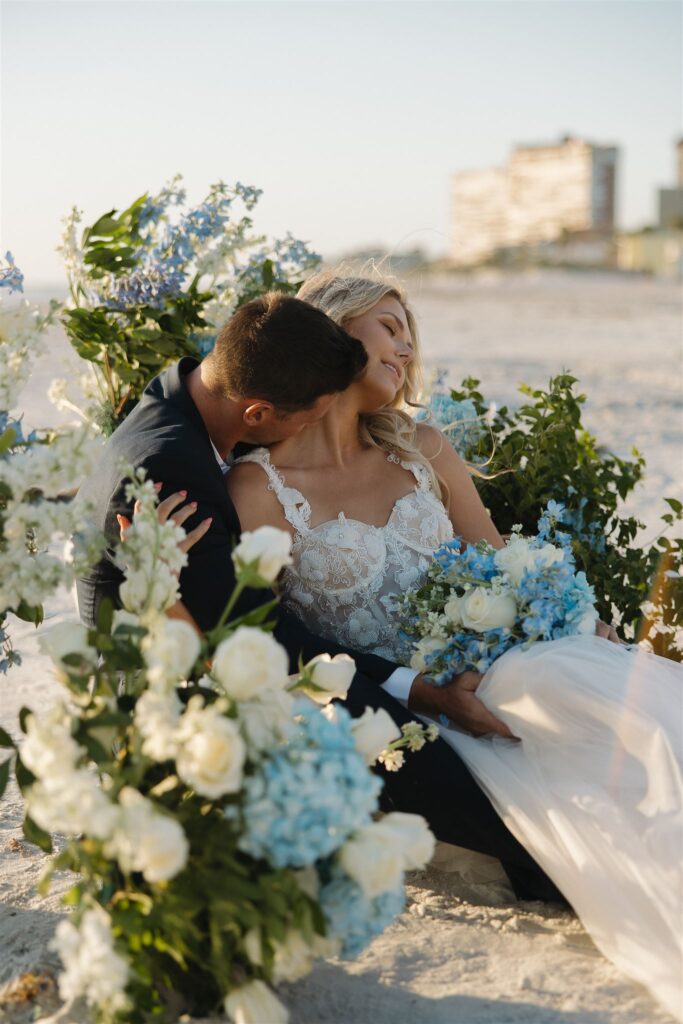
x=540, y=451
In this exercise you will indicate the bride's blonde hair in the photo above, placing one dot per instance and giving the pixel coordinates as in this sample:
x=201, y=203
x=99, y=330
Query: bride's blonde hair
x=344, y=296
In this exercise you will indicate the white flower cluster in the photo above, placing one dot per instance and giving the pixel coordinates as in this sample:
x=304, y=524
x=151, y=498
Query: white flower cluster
x=70, y=798
x=30, y=523
x=151, y=558
x=92, y=967
x=378, y=854
x=264, y=551
x=21, y=341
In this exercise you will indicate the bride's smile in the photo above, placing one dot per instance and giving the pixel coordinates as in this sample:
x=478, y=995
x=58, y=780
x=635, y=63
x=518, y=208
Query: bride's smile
x=386, y=336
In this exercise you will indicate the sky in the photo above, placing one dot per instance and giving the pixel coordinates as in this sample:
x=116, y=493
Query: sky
x=351, y=116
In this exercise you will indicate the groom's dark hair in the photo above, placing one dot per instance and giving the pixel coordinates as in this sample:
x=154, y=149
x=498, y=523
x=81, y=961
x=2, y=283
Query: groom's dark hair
x=285, y=351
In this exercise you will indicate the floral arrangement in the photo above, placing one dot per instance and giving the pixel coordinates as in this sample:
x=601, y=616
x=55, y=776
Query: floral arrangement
x=36, y=473
x=219, y=814
x=478, y=602
x=541, y=449
x=157, y=281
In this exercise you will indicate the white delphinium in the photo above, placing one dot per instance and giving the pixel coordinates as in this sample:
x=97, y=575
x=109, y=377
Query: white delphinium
x=156, y=718
x=146, y=840
x=92, y=967
x=49, y=749
x=54, y=469
x=264, y=551
x=254, y=1003
x=170, y=649
x=211, y=752
x=151, y=558
x=249, y=661
x=72, y=803
x=392, y=760
x=68, y=638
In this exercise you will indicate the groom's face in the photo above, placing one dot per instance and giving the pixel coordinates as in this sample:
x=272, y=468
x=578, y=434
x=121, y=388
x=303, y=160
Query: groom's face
x=264, y=423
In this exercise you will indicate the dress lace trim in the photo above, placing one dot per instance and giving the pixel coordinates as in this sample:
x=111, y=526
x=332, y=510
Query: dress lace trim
x=345, y=571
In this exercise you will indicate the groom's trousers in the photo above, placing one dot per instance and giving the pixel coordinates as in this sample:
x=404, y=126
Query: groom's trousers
x=437, y=784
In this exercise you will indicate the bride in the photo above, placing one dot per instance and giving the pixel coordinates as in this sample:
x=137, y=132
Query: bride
x=594, y=789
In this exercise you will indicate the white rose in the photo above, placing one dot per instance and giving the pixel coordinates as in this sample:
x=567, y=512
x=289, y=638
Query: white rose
x=548, y=555
x=254, y=1003
x=68, y=638
x=453, y=610
x=428, y=645
x=147, y=841
x=373, y=732
x=267, y=719
x=514, y=558
x=248, y=661
x=333, y=674
x=412, y=836
x=170, y=649
x=482, y=609
x=373, y=859
x=267, y=547
x=211, y=751
x=72, y=804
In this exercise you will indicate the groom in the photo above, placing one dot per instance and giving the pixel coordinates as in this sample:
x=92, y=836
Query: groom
x=276, y=368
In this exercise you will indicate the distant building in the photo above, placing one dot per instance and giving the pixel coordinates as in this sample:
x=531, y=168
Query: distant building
x=542, y=194
x=671, y=199
x=658, y=250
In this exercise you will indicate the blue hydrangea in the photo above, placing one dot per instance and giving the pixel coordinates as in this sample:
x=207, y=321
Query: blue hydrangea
x=351, y=916
x=309, y=795
x=459, y=420
x=10, y=276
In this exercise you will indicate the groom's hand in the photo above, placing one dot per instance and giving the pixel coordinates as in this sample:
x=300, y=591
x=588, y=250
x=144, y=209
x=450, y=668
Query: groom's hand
x=458, y=701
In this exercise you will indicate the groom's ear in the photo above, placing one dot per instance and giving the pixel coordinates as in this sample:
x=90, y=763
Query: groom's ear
x=257, y=412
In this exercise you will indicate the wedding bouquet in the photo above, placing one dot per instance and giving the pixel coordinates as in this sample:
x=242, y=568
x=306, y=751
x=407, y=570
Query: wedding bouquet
x=219, y=820
x=478, y=602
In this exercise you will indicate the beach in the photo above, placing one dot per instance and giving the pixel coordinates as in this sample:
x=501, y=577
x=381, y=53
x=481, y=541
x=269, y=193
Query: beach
x=464, y=950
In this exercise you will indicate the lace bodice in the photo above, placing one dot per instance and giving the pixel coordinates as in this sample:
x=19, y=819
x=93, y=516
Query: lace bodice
x=344, y=570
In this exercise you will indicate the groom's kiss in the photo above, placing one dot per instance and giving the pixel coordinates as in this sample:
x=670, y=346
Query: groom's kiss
x=277, y=367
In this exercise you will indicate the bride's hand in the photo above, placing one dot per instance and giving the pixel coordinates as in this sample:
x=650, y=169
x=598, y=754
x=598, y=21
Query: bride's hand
x=608, y=632
x=457, y=700
x=165, y=511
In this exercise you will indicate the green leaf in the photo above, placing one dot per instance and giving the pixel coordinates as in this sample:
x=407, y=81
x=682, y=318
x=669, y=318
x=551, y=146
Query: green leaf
x=7, y=439
x=23, y=715
x=105, y=616
x=29, y=613
x=4, y=775
x=6, y=740
x=24, y=777
x=36, y=835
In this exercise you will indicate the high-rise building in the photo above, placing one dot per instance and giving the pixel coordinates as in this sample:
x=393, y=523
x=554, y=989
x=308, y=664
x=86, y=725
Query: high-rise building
x=671, y=199
x=543, y=193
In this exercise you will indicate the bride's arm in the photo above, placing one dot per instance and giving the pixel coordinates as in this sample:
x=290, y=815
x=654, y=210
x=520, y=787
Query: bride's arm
x=255, y=505
x=466, y=510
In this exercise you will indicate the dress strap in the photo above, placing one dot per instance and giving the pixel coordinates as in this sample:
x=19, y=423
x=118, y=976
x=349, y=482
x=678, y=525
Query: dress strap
x=419, y=471
x=296, y=509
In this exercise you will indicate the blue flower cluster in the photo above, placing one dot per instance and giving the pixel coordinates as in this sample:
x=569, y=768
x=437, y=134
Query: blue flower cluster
x=553, y=600
x=351, y=916
x=10, y=276
x=290, y=257
x=309, y=795
x=459, y=420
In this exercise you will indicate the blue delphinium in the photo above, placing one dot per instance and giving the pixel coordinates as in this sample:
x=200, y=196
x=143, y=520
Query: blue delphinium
x=459, y=420
x=351, y=916
x=308, y=796
x=10, y=276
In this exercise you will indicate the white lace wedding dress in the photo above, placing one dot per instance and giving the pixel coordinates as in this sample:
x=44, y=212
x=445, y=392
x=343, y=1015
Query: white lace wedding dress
x=594, y=790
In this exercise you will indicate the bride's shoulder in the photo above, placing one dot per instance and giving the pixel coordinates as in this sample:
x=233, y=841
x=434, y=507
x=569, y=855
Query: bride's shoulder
x=436, y=447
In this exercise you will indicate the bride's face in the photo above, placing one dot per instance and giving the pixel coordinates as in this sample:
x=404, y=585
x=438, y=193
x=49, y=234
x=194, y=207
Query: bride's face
x=386, y=336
